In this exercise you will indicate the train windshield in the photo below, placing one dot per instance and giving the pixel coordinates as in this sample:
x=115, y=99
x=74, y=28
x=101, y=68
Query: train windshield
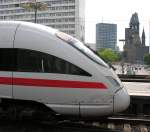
x=81, y=47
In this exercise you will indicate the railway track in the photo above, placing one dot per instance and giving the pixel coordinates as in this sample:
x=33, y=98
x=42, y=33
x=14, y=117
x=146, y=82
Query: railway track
x=130, y=119
x=121, y=125
x=112, y=124
x=28, y=126
x=130, y=123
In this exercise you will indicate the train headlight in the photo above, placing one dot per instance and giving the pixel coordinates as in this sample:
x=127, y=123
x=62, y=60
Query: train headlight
x=113, y=81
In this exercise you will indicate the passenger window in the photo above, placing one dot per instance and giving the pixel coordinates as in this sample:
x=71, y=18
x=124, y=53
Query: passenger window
x=57, y=65
x=74, y=70
x=29, y=61
x=7, y=62
x=48, y=64
x=24, y=60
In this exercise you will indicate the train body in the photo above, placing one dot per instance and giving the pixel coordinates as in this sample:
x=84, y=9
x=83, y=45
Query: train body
x=44, y=65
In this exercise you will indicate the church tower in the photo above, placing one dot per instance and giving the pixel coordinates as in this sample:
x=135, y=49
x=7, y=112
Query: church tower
x=134, y=23
x=135, y=47
x=143, y=38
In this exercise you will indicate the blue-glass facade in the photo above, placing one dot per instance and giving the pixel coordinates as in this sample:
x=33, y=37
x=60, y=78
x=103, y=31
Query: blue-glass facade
x=106, y=36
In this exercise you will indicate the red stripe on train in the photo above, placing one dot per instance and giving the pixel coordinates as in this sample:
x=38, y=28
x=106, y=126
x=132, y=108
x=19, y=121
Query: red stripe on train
x=6, y=80
x=51, y=83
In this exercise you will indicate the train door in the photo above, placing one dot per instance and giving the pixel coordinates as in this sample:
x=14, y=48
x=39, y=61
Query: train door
x=6, y=68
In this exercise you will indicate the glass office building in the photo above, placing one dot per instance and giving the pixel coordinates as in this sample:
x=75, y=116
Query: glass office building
x=106, y=36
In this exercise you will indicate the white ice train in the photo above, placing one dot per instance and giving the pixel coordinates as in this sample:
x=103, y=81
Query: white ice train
x=43, y=67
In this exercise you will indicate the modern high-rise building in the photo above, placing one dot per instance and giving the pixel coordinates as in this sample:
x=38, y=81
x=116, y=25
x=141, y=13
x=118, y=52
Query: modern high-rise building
x=106, y=36
x=65, y=15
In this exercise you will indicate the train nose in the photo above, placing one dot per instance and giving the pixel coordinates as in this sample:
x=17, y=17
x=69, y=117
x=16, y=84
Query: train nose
x=121, y=100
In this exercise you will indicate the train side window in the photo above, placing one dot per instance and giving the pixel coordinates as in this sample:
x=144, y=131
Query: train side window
x=7, y=60
x=57, y=65
x=48, y=63
x=29, y=61
x=54, y=65
x=74, y=70
x=23, y=60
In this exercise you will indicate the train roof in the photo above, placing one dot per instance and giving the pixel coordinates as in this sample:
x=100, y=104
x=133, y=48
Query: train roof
x=28, y=24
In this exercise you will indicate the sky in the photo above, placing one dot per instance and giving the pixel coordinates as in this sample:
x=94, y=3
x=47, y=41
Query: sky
x=118, y=12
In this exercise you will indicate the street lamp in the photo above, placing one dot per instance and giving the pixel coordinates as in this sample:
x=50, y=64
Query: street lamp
x=35, y=6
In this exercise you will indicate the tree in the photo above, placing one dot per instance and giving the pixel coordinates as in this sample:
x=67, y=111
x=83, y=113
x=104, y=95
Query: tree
x=147, y=59
x=108, y=55
x=34, y=5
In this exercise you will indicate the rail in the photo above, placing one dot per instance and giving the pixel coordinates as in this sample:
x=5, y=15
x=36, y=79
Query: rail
x=134, y=78
x=111, y=124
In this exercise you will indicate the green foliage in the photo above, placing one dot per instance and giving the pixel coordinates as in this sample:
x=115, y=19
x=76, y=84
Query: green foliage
x=147, y=59
x=108, y=55
x=34, y=5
